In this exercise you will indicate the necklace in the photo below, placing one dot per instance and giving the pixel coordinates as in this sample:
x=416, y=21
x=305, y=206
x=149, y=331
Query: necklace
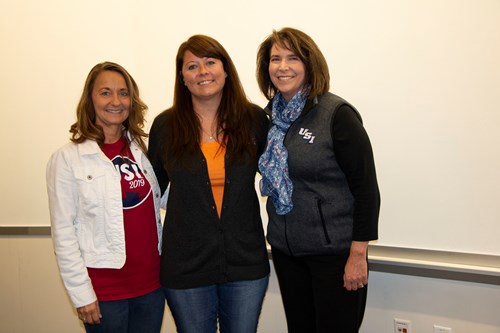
x=213, y=135
x=210, y=135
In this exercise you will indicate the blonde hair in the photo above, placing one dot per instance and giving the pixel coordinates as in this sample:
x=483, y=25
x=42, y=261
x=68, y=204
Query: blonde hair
x=85, y=127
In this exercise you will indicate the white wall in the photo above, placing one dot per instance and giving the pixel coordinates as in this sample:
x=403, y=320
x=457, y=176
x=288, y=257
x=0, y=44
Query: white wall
x=465, y=307
x=424, y=74
x=33, y=299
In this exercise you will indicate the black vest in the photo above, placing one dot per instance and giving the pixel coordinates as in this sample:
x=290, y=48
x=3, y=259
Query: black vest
x=321, y=220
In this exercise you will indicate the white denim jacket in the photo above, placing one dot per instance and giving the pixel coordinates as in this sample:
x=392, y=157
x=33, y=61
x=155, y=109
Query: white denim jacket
x=86, y=214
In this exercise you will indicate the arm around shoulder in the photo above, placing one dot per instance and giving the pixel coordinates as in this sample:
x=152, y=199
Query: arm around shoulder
x=262, y=122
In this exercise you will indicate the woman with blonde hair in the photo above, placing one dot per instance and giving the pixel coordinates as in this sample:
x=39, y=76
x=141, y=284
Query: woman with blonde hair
x=104, y=204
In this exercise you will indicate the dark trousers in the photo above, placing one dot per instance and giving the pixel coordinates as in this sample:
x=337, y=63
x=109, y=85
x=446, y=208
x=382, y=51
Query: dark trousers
x=313, y=295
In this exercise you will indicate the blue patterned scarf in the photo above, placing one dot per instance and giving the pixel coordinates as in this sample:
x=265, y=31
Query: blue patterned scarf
x=273, y=164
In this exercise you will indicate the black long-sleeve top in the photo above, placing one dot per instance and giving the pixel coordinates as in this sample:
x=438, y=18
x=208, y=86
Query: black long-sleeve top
x=355, y=156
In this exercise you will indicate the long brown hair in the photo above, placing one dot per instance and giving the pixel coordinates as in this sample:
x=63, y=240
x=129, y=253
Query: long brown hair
x=85, y=127
x=234, y=117
x=317, y=74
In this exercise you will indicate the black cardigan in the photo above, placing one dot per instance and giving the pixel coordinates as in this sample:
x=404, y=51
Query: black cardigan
x=199, y=248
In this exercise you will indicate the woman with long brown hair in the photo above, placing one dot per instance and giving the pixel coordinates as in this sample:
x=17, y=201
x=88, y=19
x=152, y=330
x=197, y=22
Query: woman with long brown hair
x=214, y=265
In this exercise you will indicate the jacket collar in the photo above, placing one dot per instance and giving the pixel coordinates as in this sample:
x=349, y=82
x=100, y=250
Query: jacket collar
x=89, y=147
x=310, y=104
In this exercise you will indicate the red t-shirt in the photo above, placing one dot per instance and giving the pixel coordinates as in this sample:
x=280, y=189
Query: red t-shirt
x=141, y=272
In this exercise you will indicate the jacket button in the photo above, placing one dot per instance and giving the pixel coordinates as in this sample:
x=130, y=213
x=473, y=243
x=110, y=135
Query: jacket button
x=89, y=177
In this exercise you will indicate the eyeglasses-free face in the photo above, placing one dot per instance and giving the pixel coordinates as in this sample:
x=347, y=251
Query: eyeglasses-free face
x=287, y=71
x=204, y=77
x=111, y=100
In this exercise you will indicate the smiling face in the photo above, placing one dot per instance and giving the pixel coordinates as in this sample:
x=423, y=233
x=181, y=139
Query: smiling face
x=111, y=100
x=287, y=71
x=204, y=77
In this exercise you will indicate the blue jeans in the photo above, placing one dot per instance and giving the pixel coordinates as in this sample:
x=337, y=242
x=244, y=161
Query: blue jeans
x=236, y=305
x=139, y=314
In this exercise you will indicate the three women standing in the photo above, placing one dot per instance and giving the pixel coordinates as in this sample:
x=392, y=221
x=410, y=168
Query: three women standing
x=318, y=172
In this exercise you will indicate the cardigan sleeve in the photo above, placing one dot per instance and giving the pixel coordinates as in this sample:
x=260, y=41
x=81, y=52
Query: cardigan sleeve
x=156, y=149
x=261, y=129
x=354, y=154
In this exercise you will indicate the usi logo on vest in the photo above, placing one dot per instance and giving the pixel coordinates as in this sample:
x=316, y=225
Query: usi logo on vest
x=306, y=135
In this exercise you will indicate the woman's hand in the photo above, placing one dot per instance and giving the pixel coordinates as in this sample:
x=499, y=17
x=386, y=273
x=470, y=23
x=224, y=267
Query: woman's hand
x=90, y=313
x=356, y=268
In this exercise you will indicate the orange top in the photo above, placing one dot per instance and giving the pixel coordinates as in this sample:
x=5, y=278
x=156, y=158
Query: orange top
x=216, y=170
